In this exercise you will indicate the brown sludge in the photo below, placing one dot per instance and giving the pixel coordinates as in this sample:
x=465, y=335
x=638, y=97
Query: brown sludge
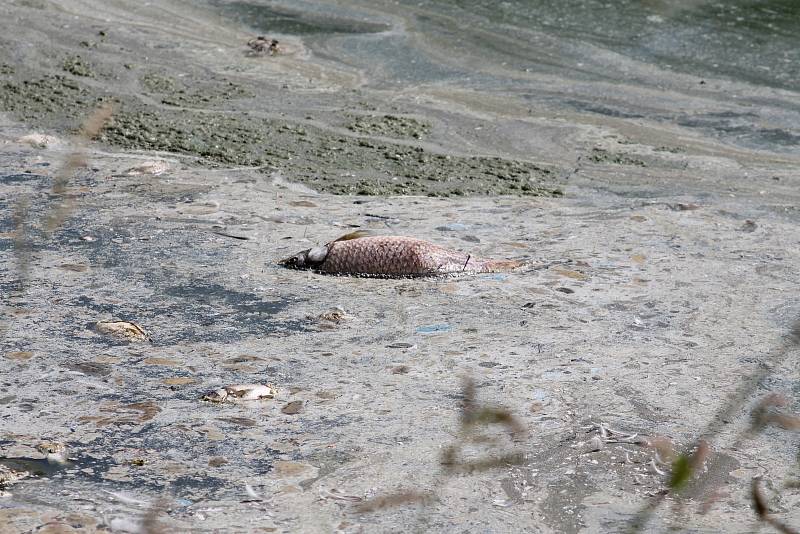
x=392, y=256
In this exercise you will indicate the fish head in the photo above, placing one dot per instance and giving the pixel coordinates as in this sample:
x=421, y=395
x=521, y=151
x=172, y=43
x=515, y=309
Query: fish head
x=307, y=259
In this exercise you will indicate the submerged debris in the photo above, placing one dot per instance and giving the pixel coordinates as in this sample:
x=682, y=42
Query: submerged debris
x=241, y=392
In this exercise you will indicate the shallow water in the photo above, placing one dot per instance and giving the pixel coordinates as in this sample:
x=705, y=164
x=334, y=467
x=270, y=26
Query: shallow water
x=746, y=40
x=536, y=51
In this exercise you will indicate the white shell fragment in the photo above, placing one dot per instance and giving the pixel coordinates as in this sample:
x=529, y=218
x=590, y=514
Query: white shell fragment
x=39, y=140
x=152, y=167
x=241, y=392
x=124, y=330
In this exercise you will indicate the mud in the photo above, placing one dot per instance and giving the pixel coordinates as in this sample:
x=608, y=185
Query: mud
x=661, y=226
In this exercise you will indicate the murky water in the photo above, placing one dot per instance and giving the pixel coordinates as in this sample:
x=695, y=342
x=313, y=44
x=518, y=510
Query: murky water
x=538, y=51
x=749, y=40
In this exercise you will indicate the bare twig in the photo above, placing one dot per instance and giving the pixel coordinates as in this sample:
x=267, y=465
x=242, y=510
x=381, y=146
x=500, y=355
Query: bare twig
x=724, y=415
x=22, y=248
x=395, y=499
x=762, y=510
x=76, y=159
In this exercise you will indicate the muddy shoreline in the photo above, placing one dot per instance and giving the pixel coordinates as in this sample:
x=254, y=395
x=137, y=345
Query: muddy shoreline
x=665, y=245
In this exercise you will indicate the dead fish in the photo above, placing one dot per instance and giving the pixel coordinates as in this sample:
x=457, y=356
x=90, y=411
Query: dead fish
x=241, y=392
x=391, y=256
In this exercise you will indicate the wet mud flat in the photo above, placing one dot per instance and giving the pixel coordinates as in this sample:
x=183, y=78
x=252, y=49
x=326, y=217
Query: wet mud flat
x=662, y=272
x=240, y=115
x=642, y=328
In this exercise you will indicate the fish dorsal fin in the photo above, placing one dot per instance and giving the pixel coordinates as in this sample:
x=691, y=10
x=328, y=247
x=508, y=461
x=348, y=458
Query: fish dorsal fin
x=353, y=235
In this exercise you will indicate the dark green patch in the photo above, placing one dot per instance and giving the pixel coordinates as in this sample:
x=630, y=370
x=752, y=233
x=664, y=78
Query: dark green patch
x=77, y=66
x=48, y=100
x=157, y=83
x=599, y=155
x=670, y=149
x=175, y=93
x=681, y=472
x=327, y=162
x=390, y=126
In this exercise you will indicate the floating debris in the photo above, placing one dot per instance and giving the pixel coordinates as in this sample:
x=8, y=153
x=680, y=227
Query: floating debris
x=337, y=495
x=124, y=330
x=391, y=257
x=401, y=346
x=395, y=499
x=331, y=318
x=452, y=227
x=262, y=45
x=39, y=140
x=433, y=329
x=293, y=408
x=220, y=230
x=595, y=444
x=54, y=452
x=19, y=355
x=8, y=476
x=151, y=167
x=749, y=226
x=334, y=315
x=241, y=392
x=251, y=492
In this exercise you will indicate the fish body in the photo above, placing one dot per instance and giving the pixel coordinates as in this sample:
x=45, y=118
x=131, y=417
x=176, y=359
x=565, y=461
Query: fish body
x=392, y=257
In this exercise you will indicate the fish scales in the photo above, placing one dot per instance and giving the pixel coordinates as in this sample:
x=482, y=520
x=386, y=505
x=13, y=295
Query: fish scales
x=391, y=257
x=402, y=256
